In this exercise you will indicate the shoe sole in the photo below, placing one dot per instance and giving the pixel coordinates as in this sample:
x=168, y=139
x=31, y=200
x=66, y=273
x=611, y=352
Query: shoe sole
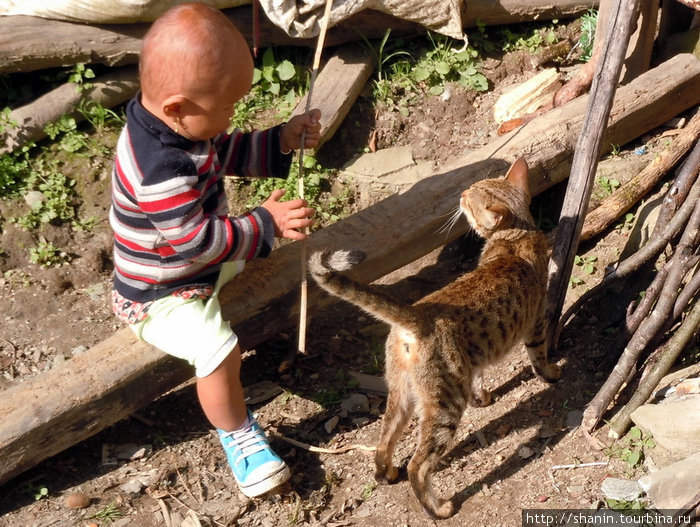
x=273, y=480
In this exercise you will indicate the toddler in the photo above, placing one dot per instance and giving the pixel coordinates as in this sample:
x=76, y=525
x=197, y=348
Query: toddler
x=174, y=243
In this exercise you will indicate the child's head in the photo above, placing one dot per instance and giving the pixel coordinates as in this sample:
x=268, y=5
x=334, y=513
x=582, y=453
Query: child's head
x=195, y=65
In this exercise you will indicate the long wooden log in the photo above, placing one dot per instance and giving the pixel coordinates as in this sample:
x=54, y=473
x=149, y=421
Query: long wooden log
x=54, y=410
x=112, y=89
x=30, y=43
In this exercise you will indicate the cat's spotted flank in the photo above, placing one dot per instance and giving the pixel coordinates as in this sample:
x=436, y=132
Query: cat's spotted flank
x=438, y=347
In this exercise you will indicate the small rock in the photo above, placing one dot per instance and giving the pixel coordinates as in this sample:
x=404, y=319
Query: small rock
x=546, y=432
x=620, y=489
x=356, y=403
x=503, y=430
x=77, y=500
x=542, y=498
x=360, y=421
x=331, y=424
x=669, y=424
x=34, y=199
x=525, y=452
x=133, y=486
x=574, y=418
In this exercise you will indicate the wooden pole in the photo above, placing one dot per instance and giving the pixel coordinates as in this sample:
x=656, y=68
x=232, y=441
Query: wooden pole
x=622, y=20
x=303, y=302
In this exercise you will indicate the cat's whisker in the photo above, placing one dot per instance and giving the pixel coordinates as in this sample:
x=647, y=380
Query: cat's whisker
x=455, y=216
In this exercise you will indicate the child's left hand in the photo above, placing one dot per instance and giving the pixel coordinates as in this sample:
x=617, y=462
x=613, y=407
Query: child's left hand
x=290, y=135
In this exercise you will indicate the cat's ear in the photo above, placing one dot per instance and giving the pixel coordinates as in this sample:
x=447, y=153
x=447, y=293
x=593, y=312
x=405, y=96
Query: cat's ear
x=497, y=216
x=517, y=175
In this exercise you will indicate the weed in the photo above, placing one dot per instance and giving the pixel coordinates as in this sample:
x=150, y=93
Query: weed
x=14, y=171
x=614, y=149
x=632, y=450
x=367, y=490
x=588, y=24
x=626, y=223
x=608, y=185
x=109, y=513
x=586, y=263
x=99, y=116
x=443, y=64
x=38, y=492
x=46, y=254
x=57, y=194
x=80, y=75
x=529, y=40
x=6, y=120
x=71, y=139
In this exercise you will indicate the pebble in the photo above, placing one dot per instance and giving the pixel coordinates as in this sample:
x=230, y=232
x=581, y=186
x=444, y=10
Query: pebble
x=77, y=500
x=356, y=403
x=331, y=424
x=574, y=418
x=525, y=452
x=542, y=498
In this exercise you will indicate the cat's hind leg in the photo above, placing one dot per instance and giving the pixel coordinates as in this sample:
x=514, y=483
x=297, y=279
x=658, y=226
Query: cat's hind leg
x=438, y=424
x=478, y=396
x=399, y=410
x=535, y=343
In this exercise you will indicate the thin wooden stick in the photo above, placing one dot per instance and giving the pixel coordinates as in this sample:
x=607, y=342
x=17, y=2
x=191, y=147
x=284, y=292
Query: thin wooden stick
x=303, y=303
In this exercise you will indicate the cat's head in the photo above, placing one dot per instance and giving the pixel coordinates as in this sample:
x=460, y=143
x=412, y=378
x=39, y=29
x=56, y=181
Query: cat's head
x=491, y=205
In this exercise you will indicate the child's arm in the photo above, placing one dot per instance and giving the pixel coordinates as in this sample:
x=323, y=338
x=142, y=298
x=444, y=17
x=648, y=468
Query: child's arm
x=267, y=153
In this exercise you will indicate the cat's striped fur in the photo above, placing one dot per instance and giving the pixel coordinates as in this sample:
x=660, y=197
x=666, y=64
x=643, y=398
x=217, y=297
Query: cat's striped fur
x=437, y=347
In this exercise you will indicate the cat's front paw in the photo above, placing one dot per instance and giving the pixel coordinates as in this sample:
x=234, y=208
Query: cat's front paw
x=386, y=475
x=479, y=399
x=550, y=373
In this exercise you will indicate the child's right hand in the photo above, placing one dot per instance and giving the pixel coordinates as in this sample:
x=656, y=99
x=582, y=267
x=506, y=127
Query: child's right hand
x=289, y=216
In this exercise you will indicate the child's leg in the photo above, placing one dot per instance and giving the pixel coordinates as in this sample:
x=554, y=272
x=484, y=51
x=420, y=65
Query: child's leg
x=221, y=393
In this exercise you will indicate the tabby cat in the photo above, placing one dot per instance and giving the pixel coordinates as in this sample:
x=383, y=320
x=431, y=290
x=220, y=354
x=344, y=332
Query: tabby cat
x=437, y=347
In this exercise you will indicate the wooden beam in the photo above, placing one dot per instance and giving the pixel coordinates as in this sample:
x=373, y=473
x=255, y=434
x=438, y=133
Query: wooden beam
x=338, y=85
x=30, y=43
x=588, y=150
x=56, y=409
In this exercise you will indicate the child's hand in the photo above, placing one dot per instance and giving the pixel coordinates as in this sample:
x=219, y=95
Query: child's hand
x=290, y=135
x=288, y=216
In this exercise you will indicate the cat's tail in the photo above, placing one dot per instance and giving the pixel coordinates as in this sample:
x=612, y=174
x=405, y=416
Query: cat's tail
x=326, y=266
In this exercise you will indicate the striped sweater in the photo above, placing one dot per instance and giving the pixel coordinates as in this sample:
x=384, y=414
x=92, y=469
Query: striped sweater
x=169, y=212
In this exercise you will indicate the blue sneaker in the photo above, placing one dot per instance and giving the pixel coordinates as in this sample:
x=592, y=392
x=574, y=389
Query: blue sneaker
x=255, y=466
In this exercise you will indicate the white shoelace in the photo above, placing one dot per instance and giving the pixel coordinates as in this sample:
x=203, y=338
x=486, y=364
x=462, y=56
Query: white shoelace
x=246, y=443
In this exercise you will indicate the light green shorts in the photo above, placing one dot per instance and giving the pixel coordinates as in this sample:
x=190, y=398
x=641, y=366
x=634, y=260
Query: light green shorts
x=192, y=329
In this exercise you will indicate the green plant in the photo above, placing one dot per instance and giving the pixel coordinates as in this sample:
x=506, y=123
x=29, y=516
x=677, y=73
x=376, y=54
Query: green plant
x=56, y=196
x=99, y=116
x=443, y=63
x=39, y=492
x=528, y=40
x=588, y=24
x=6, y=120
x=80, y=76
x=586, y=263
x=608, y=184
x=14, y=171
x=71, y=139
x=109, y=513
x=368, y=489
x=631, y=451
x=276, y=84
x=46, y=254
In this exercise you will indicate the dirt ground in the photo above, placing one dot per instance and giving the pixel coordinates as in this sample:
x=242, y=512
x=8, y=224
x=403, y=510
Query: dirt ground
x=163, y=466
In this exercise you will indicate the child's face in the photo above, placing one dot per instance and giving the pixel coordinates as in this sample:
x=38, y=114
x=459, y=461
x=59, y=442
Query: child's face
x=207, y=115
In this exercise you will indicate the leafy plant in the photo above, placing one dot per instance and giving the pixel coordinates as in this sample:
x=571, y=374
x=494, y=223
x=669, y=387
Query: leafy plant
x=443, y=64
x=57, y=194
x=588, y=24
x=71, y=139
x=46, y=254
x=529, y=40
x=632, y=450
x=80, y=75
x=608, y=184
x=99, y=116
x=586, y=263
x=39, y=492
x=368, y=489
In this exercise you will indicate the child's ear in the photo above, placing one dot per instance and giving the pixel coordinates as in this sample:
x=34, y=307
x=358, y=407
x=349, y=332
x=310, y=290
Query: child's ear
x=172, y=106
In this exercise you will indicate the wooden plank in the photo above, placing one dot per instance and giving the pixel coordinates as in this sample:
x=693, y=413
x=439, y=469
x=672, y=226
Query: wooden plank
x=338, y=85
x=56, y=409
